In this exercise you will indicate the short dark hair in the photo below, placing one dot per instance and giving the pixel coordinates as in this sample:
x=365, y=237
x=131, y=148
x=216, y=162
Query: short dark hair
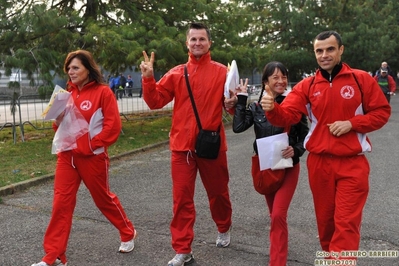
x=326, y=34
x=199, y=26
x=268, y=71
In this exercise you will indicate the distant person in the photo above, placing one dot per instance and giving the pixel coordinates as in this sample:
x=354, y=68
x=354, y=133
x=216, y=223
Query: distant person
x=397, y=80
x=275, y=78
x=207, y=79
x=122, y=85
x=129, y=87
x=385, y=65
x=343, y=105
x=115, y=85
x=110, y=82
x=88, y=162
x=386, y=82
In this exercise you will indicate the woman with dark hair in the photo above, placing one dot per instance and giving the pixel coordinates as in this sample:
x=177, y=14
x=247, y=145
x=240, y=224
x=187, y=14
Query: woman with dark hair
x=275, y=79
x=87, y=160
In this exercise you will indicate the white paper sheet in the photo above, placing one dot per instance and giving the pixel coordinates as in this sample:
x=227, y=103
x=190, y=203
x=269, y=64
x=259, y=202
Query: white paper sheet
x=270, y=152
x=232, y=80
x=57, y=103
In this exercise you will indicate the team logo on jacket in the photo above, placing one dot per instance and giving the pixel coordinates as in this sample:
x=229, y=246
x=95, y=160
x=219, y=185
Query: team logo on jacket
x=85, y=105
x=347, y=92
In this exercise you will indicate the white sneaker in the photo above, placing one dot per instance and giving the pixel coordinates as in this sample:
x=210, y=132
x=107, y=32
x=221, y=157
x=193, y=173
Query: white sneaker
x=128, y=246
x=59, y=263
x=180, y=259
x=56, y=263
x=42, y=263
x=223, y=239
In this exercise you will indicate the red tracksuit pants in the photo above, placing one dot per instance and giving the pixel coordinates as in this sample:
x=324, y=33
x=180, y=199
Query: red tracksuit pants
x=69, y=173
x=279, y=203
x=340, y=187
x=215, y=178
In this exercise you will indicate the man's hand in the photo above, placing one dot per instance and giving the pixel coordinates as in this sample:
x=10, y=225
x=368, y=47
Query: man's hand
x=339, y=128
x=231, y=101
x=146, y=66
x=267, y=101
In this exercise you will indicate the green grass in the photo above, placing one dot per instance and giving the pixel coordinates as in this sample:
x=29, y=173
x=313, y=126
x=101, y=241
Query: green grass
x=32, y=158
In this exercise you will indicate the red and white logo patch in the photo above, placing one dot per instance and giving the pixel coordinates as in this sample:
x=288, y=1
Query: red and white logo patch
x=85, y=105
x=347, y=92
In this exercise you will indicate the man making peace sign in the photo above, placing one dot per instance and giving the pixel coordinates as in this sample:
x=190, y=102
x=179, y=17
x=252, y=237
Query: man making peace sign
x=207, y=79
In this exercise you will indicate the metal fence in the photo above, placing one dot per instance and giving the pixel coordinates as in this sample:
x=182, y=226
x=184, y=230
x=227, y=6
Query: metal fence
x=29, y=109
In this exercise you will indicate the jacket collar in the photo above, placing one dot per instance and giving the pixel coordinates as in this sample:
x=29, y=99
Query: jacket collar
x=334, y=72
x=206, y=58
x=72, y=86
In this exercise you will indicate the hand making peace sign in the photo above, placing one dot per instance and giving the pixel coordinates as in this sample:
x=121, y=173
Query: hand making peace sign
x=146, y=66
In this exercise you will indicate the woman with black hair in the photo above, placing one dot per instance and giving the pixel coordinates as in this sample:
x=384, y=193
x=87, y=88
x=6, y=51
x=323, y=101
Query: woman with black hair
x=274, y=80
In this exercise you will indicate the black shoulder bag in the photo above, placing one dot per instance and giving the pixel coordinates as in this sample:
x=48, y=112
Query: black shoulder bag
x=208, y=142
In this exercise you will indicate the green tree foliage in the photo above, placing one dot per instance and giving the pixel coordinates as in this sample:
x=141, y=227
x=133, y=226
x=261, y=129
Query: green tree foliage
x=35, y=36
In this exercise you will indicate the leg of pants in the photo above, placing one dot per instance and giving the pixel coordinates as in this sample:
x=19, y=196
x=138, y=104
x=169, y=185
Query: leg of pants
x=69, y=172
x=340, y=187
x=184, y=171
x=94, y=173
x=278, y=204
x=66, y=185
x=215, y=177
x=388, y=96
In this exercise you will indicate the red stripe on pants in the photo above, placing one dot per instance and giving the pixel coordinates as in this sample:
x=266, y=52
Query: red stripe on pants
x=215, y=178
x=340, y=187
x=70, y=171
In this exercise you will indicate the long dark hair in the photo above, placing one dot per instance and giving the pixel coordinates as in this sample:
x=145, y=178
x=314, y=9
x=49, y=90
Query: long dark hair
x=268, y=70
x=88, y=61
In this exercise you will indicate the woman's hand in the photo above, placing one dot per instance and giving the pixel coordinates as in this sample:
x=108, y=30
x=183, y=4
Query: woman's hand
x=288, y=152
x=59, y=118
x=267, y=101
x=232, y=101
x=242, y=88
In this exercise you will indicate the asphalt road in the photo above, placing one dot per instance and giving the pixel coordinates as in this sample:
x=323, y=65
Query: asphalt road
x=142, y=182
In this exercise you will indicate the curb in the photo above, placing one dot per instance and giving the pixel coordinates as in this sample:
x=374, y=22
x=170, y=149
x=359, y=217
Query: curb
x=24, y=185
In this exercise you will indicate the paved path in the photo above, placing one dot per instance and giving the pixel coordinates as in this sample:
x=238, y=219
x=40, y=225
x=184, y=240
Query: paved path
x=142, y=182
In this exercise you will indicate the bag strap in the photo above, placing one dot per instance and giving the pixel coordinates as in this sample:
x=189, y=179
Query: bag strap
x=192, y=98
x=361, y=91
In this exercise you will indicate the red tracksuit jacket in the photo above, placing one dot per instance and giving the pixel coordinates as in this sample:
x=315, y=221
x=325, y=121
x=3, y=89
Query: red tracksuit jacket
x=97, y=104
x=207, y=80
x=339, y=100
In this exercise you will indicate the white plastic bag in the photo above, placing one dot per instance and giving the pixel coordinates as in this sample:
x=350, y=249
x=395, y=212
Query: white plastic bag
x=72, y=127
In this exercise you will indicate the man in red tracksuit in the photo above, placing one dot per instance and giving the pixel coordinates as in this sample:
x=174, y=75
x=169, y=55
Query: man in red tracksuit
x=343, y=105
x=207, y=80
